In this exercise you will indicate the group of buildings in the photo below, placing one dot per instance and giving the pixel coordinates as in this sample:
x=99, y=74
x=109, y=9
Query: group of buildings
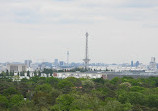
x=59, y=65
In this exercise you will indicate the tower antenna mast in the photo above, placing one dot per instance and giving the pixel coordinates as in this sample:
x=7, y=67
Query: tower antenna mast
x=67, y=58
x=86, y=60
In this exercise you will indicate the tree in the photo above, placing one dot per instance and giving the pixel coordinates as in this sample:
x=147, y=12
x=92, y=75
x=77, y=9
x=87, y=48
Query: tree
x=16, y=100
x=65, y=85
x=44, y=88
x=35, y=73
x=99, y=80
x=63, y=103
x=3, y=102
x=9, y=91
x=88, y=85
x=7, y=73
x=152, y=100
x=116, y=80
x=18, y=74
x=3, y=74
x=133, y=98
x=85, y=102
x=12, y=73
x=28, y=73
x=76, y=82
x=42, y=99
x=53, y=81
x=137, y=89
x=39, y=73
x=113, y=105
x=21, y=73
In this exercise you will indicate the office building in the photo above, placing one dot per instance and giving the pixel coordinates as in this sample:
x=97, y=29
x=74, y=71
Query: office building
x=28, y=63
x=56, y=63
x=137, y=64
x=153, y=65
x=16, y=67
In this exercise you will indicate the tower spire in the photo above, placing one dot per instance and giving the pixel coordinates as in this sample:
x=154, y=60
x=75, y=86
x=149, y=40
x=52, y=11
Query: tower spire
x=67, y=58
x=86, y=60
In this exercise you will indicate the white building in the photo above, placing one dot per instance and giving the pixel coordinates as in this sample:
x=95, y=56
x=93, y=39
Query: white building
x=77, y=75
x=16, y=67
x=153, y=65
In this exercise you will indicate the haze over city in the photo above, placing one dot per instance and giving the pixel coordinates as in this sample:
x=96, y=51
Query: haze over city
x=119, y=31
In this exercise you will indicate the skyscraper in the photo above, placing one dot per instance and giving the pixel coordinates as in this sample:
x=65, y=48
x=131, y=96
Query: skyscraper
x=56, y=63
x=137, y=64
x=132, y=64
x=28, y=63
x=153, y=65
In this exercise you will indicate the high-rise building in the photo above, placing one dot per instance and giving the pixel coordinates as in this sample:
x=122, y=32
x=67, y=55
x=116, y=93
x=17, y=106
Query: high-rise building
x=153, y=65
x=16, y=67
x=132, y=64
x=137, y=64
x=56, y=63
x=28, y=63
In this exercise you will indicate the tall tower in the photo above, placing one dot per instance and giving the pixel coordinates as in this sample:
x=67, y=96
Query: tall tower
x=67, y=58
x=86, y=60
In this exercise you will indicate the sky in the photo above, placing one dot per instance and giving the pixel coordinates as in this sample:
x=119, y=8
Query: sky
x=42, y=30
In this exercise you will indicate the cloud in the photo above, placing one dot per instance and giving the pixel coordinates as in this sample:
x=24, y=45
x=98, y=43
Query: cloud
x=56, y=10
x=140, y=3
x=50, y=27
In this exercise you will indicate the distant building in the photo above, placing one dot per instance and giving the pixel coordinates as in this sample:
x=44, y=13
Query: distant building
x=137, y=64
x=153, y=59
x=80, y=75
x=56, y=62
x=16, y=67
x=61, y=63
x=28, y=63
x=46, y=65
x=153, y=65
x=132, y=64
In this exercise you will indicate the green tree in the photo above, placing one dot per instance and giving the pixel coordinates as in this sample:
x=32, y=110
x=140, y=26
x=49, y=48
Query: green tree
x=7, y=73
x=16, y=100
x=3, y=102
x=88, y=85
x=133, y=98
x=10, y=91
x=63, y=103
x=28, y=73
x=152, y=100
x=44, y=88
x=39, y=73
x=113, y=105
x=65, y=85
x=35, y=73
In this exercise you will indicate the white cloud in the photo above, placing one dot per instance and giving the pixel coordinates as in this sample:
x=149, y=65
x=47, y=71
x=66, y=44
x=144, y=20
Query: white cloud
x=120, y=30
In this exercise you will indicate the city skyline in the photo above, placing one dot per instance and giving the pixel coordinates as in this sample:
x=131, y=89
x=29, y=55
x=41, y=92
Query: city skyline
x=120, y=31
x=54, y=61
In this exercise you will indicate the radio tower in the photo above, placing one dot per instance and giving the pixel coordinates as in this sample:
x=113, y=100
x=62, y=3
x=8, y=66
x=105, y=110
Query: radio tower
x=86, y=60
x=67, y=58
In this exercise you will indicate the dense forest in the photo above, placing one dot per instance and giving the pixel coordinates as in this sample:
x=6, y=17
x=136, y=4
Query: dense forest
x=72, y=94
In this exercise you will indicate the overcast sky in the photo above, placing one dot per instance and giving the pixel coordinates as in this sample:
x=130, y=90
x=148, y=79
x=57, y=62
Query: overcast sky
x=42, y=30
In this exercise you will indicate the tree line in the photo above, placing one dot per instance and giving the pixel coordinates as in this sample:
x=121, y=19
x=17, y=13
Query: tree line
x=72, y=94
